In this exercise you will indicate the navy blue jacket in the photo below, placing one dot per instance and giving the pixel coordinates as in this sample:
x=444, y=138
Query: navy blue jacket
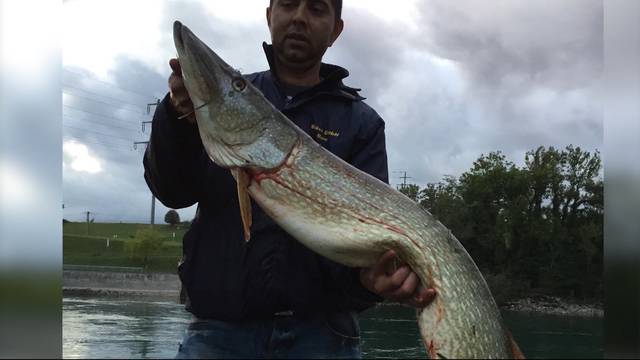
x=226, y=278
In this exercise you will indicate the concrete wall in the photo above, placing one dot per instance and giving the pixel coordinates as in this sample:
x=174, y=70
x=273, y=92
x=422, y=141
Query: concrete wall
x=120, y=281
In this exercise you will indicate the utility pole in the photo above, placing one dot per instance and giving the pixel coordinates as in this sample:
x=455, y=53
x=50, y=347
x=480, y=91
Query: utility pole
x=153, y=209
x=88, y=214
x=149, y=107
x=146, y=143
x=404, y=179
x=153, y=197
x=144, y=123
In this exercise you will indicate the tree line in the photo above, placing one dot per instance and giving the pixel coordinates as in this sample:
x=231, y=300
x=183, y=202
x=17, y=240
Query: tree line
x=532, y=230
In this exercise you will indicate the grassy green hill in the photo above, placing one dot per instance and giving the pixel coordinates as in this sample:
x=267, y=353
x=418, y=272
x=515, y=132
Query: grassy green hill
x=122, y=230
x=123, y=244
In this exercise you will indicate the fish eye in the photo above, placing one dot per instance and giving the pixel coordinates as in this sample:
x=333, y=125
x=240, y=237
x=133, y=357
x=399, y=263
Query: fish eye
x=238, y=84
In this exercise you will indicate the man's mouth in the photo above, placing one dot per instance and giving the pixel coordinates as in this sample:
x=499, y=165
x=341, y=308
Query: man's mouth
x=296, y=37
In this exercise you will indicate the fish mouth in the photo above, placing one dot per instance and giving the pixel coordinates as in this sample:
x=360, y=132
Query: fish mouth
x=203, y=70
x=188, y=44
x=190, y=56
x=177, y=35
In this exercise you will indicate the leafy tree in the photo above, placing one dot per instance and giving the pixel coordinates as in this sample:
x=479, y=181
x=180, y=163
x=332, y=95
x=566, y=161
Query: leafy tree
x=445, y=203
x=411, y=191
x=493, y=190
x=143, y=245
x=172, y=217
x=534, y=229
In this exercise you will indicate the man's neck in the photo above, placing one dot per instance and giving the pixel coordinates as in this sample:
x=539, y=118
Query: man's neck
x=298, y=77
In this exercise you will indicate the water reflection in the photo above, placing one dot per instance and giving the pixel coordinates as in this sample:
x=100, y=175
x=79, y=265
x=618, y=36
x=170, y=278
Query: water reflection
x=117, y=328
x=548, y=336
x=390, y=332
x=148, y=328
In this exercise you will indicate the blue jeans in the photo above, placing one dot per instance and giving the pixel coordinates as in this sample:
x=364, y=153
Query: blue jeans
x=281, y=337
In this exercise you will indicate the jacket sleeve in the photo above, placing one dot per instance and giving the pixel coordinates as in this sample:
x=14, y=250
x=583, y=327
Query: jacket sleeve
x=173, y=162
x=369, y=155
x=370, y=152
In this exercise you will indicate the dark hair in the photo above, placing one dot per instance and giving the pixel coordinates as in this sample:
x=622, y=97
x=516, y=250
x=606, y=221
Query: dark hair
x=337, y=7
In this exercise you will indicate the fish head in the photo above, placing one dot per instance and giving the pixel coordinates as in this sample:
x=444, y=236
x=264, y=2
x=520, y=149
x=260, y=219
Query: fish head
x=233, y=116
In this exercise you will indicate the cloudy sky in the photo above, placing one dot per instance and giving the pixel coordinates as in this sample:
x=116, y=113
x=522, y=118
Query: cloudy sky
x=452, y=80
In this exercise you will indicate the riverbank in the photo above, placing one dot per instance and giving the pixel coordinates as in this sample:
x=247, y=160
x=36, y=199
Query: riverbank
x=112, y=283
x=555, y=306
x=112, y=292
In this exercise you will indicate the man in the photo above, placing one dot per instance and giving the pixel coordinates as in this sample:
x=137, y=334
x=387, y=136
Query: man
x=272, y=297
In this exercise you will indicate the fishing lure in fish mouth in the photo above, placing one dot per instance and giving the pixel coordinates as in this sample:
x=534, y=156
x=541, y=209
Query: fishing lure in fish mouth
x=335, y=209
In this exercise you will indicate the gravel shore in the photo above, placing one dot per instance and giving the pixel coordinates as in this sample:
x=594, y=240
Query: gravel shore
x=555, y=306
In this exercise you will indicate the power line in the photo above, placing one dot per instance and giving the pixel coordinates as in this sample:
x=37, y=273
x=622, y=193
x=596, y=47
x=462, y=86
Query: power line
x=96, y=132
x=65, y=86
x=91, y=78
x=102, y=102
x=106, y=144
x=95, y=122
x=98, y=141
x=95, y=142
x=97, y=114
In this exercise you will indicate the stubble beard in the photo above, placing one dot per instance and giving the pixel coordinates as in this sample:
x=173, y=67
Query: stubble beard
x=298, y=59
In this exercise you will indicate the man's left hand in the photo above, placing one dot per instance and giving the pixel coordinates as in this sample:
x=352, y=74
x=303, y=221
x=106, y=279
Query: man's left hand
x=399, y=285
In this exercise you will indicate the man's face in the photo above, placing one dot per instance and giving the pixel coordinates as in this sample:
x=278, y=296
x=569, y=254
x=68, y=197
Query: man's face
x=302, y=30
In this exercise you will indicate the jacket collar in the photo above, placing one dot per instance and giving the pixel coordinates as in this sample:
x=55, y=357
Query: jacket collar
x=332, y=76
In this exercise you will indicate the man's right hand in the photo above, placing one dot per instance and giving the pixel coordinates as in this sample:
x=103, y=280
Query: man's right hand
x=398, y=284
x=178, y=92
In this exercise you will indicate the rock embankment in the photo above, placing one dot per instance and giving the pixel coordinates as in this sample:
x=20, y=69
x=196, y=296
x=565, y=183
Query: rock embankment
x=556, y=306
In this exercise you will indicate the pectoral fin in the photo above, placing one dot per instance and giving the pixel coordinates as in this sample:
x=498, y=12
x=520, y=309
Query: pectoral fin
x=243, y=181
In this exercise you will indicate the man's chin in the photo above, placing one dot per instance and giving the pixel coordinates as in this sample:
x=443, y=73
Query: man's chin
x=297, y=58
x=295, y=53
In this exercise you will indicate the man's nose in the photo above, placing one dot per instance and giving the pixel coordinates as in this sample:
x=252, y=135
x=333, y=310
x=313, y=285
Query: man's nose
x=300, y=15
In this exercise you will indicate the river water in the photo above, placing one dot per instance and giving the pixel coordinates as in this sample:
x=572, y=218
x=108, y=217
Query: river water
x=130, y=327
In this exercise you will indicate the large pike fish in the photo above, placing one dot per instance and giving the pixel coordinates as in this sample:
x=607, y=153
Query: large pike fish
x=335, y=209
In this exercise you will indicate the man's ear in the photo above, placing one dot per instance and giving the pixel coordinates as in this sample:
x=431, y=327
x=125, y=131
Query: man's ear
x=269, y=16
x=337, y=30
